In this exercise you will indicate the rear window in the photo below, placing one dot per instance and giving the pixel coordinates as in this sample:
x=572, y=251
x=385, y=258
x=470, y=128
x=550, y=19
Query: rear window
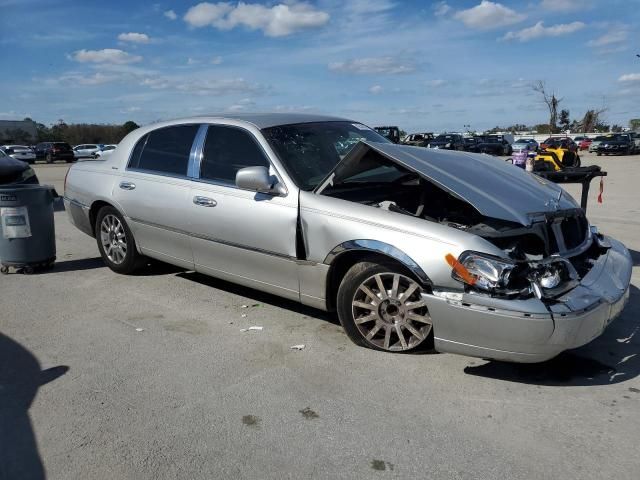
x=62, y=145
x=165, y=151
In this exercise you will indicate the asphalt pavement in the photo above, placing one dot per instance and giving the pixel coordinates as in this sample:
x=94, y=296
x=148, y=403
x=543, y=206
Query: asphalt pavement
x=104, y=376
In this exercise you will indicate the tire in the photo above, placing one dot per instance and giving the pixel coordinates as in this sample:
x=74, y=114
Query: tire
x=385, y=318
x=111, y=233
x=48, y=158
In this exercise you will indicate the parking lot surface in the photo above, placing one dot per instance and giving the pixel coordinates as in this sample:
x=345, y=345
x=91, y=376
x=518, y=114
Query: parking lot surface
x=151, y=377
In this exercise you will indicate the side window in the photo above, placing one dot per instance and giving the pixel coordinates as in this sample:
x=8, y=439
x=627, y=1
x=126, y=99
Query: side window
x=165, y=150
x=227, y=150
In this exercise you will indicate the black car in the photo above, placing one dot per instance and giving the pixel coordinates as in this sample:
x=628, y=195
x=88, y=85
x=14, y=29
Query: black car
x=494, y=146
x=448, y=141
x=471, y=144
x=621, y=144
x=52, y=151
x=14, y=171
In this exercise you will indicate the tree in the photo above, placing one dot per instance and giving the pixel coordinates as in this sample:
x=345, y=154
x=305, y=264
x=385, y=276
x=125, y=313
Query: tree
x=551, y=101
x=591, y=122
x=564, y=120
x=616, y=128
x=129, y=127
x=542, y=128
x=634, y=124
x=18, y=135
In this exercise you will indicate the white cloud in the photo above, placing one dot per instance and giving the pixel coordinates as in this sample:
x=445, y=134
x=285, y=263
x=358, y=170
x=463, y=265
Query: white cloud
x=630, y=77
x=435, y=83
x=106, y=55
x=373, y=65
x=192, y=61
x=440, y=9
x=610, y=38
x=134, y=37
x=202, y=86
x=564, y=5
x=276, y=21
x=170, y=14
x=217, y=60
x=97, y=78
x=375, y=89
x=488, y=15
x=539, y=30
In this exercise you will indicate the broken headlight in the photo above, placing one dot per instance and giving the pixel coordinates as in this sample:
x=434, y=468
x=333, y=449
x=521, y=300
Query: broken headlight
x=482, y=271
x=552, y=277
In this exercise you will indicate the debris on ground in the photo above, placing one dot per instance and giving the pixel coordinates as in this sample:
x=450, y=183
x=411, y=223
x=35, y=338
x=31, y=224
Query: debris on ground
x=251, y=328
x=244, y=315
x=298, y=347
x=139, y=329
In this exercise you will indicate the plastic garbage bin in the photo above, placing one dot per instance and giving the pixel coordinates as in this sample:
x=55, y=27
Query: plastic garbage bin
x=27, y=232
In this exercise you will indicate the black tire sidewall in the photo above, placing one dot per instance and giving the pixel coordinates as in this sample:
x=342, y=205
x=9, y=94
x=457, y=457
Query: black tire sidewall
x=131, y=260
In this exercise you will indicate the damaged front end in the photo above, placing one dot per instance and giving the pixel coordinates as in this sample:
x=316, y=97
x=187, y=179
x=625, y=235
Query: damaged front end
x=547, y=281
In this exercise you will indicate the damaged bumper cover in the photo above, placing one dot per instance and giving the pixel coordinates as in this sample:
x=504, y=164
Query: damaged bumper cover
x=530, y=330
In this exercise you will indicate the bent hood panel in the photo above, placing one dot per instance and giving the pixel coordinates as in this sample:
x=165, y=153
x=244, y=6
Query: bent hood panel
x=495, y=188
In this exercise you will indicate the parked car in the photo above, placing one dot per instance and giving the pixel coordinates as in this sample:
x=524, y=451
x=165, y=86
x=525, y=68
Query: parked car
x=87, y=150
x=525, y=145
x=14, y=171
x=617, y=144
x=52, y=151
x=19, y=152
x=578, y=139
x=559, y=142
x=390, y=133
x=448, y=141
x=106, y=150
x=470, y=144
x=408, y=245
x=584, y=144
x=493, y=146
x=635, y=137
x=596, y=142
x=418, y=139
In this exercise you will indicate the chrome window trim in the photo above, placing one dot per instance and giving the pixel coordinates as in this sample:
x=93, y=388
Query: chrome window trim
x=159, y=172
x=221, y=183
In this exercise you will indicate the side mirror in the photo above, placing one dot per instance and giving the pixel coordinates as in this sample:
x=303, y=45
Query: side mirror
x=258, y=179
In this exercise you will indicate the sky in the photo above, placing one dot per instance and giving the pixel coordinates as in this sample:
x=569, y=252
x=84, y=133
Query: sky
x=422, y=65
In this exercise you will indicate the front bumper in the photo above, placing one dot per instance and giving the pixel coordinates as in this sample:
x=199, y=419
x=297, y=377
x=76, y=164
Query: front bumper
x=528, y=330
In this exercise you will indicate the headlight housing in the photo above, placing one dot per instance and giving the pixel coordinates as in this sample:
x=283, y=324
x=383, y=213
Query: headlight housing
x=546, y=279
x=481, y=271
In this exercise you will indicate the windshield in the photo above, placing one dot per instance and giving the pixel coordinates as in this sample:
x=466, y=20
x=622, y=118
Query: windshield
x=309, y=151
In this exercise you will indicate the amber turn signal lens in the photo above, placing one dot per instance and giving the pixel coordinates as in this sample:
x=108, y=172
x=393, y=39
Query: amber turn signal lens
x=460, y=269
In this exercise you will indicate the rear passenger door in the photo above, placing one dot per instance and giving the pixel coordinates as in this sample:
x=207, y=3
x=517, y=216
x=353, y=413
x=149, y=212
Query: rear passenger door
x=154, y=193
x=240, y=235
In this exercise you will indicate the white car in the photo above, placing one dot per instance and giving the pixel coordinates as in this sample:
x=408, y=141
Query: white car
x=87, y=150
x=20, y=152
x=106, y=151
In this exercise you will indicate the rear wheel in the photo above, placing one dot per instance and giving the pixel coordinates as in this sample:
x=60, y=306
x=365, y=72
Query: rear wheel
x=381, y=307
x=115, y=241
x=48, y=158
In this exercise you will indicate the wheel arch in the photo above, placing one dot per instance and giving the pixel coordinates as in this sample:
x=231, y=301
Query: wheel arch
x=95, y=208
x=344, y=256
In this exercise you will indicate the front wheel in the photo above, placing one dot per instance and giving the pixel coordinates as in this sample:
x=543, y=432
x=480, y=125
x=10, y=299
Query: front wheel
x=115, y=241
x=381, y=307
x=48, y=158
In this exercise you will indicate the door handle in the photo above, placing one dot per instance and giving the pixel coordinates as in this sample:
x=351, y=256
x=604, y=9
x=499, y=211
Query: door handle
x=127, y=186
x=204, y=201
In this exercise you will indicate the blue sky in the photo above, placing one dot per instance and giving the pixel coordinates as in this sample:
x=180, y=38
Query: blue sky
x=420, y=65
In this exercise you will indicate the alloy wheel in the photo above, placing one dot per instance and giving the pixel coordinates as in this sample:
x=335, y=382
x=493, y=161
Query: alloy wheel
x=390, y=313
x=114, y=239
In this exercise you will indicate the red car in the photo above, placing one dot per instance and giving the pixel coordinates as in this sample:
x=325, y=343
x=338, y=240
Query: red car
x=584, y=144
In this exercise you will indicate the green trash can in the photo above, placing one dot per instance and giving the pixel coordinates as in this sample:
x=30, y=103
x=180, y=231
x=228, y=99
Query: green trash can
x=27, y=232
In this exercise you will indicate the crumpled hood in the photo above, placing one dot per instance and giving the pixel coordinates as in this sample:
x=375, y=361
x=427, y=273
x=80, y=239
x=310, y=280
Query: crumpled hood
x=494, y=187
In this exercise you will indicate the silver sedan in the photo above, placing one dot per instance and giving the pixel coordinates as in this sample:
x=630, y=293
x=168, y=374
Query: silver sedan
x=412, y=247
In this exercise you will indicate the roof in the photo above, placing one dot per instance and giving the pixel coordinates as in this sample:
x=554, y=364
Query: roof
x=266, y=120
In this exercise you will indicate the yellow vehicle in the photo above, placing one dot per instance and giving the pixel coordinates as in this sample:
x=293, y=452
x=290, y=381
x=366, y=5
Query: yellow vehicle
x=555, y=159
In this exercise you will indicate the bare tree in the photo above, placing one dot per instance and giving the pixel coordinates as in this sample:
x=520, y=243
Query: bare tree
x=551, y=101
x=592, y=119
